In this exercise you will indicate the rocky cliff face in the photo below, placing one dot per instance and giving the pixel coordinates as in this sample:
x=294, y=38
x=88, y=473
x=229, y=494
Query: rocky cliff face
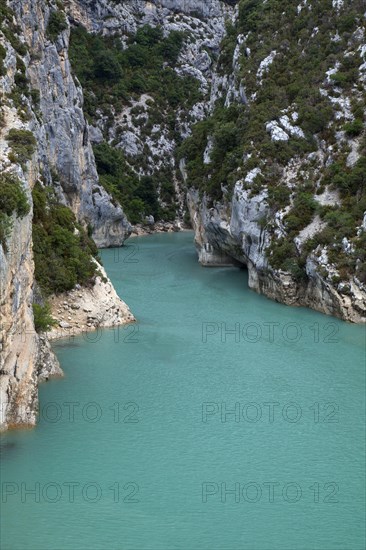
x=25, y=356
x=145, y=122
x=86, y=309
x=233, y=234
x=40, y=98
x=63, y=136
x=278, y=183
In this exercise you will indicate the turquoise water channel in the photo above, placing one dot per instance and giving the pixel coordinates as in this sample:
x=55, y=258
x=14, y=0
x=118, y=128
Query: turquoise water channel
x=221, y=420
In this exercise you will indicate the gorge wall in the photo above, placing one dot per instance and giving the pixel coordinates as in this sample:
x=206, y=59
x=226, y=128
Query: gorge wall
x=276, y=173
x=42, y=105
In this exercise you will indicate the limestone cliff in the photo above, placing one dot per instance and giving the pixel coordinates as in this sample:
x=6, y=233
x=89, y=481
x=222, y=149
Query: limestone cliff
x=233, y=234
x=41, y=108
x=63, y=136
x=25, y=356
x=147, y=114
x=276, y=175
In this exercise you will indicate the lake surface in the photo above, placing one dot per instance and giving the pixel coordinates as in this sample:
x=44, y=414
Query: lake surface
x=221, y=420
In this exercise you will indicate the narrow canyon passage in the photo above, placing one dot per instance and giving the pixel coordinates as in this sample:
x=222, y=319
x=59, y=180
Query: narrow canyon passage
x=220, y=420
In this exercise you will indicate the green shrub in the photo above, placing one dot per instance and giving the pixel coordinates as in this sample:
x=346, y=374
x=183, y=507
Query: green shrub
x=170, y=48
x=357, y=108
x=12, y=200
x=278, y=196
x=350, y=181
x=282, y=254
x=302, y=212
x=346, y=22
x=36, y=96
x=5, y=229
x=353, y=128
x=5, y=12
x=225, y=139
x=279, y=252
x=295, y=266
x=227, y=49
x=341, y=220
x=107, y=66
x=339, y=79
x=249, y=15
x=56, y=24
x=12, y=196
x=23, y=144
x=316, y=119
x=21, y=82
x=63, y=250
x=148, y=36
x=43, y=320
x=10, y=34
x=136, y=210
x=348, y=72
x=2, y=59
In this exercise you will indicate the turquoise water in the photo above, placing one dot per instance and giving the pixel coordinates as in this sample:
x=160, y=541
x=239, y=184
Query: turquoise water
x=176, y=412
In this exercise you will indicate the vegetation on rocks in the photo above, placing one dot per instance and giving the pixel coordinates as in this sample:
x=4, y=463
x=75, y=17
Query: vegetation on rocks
x=138, y=195
x=23, y=144
x=10, y=30
x=345, y=219
x=113, y=78
x=43, y=320
x=56, y=24
x=63, y=252
x=13, y=200
x=292, y=80
x=2, y=59
x=301, y=63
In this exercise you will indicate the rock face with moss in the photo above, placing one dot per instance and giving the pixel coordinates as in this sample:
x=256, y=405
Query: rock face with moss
x=277, y=173
x=25, y=356
x=65, y=132
x=146, y=69
x=51, y=202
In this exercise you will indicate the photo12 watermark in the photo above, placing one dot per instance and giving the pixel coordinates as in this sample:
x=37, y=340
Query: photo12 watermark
x=253, y=492
x=269, y=412
x=129, y=253
x=122, y=334
x=91, y=412
x=254, y=332
x=51, y=492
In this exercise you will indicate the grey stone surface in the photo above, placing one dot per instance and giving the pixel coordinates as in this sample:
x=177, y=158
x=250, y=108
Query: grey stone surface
x=64, y=135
